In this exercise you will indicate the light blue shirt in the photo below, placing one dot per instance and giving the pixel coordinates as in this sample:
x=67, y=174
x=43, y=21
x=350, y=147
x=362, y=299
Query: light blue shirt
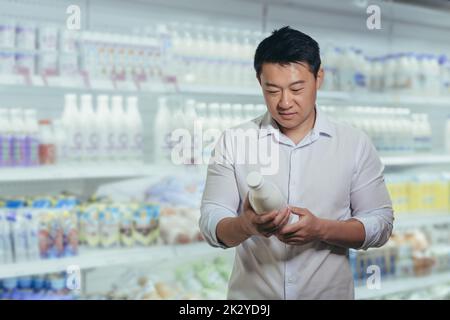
x=334, y=172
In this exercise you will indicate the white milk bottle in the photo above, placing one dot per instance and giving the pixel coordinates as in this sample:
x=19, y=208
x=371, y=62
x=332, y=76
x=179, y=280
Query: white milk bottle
x=71, y=122
x=103, y=118
x=118, y=127
x=162, y=133
x=264, y=196
x=134, y=130
x=88, y=122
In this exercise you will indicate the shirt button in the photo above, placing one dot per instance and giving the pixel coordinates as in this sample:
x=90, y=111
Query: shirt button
x=291, y=279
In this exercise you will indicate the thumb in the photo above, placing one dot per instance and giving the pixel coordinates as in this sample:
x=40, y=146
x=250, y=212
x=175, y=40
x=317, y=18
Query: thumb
x=298, y=211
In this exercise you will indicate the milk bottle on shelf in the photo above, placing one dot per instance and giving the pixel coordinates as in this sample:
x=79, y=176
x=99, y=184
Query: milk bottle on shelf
x=71, y=121
x=134, y=130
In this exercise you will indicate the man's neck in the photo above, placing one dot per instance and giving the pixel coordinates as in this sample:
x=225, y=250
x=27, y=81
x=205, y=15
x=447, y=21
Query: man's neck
x=298, y=133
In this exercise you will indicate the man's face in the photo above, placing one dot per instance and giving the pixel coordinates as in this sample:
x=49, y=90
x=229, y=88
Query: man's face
x=290, y=92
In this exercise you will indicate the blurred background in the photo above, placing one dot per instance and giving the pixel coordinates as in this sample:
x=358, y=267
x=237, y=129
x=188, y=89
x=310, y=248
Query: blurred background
x=91, y=205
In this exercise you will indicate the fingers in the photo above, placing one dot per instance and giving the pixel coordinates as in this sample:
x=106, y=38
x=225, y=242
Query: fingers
x=298, y=211
x=290, y=228
x=247, y=203
x=275, y=223
x=268, y=217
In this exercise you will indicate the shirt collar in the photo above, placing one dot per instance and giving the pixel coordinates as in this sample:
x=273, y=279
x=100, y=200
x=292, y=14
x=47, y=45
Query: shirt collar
x=322, y=125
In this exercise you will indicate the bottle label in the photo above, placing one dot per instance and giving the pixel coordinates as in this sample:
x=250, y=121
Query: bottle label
x=17, y=151
x=31, y=151
x=47, y=153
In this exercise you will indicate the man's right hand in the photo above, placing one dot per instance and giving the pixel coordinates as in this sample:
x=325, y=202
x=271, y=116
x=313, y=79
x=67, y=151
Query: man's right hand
x=263, y=225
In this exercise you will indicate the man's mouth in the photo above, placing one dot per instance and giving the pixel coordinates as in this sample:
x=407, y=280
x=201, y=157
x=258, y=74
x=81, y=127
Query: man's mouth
x=287, y=115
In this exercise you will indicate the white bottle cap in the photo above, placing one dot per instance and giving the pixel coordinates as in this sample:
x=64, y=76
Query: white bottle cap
x=254, y=179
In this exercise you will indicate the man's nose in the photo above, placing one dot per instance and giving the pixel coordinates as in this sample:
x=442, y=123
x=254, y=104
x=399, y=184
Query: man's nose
x=286, y=100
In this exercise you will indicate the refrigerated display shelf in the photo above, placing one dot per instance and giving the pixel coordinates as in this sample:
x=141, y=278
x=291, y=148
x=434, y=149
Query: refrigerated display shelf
x=397, y=286
x=124, y=170
x=72, y=172
x=36, y=84
x=102, y=258
x=408, y=220
x=411, y=160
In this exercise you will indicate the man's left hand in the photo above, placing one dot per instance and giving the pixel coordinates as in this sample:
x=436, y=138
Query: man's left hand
x=308, y=228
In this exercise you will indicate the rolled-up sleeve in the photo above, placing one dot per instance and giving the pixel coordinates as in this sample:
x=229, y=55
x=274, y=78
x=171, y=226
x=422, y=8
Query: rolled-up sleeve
x=221, y=197
x=369, y=197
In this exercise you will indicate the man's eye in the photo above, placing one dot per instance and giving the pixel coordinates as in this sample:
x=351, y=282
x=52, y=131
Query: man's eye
x=296, y=90
x=272, y=92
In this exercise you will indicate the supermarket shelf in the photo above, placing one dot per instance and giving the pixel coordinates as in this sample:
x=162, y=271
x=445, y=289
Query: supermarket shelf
x=402, y=285
x=98, y=258
x=415, y=160
x=19, y=84
x=220, y=90
x=70, y=172
x=406, y=220
x=124, y=170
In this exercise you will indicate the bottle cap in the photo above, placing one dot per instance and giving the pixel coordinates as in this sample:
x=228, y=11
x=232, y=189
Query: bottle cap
x=254, y=179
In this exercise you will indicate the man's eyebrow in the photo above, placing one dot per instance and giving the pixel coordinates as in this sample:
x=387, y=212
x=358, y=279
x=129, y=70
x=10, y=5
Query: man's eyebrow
x=268, y=84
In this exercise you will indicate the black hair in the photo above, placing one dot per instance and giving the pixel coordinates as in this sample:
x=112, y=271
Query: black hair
x=286, y=46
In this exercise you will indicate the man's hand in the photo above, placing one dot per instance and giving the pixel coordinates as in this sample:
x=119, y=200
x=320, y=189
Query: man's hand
x=307, y=229
x=266, y=224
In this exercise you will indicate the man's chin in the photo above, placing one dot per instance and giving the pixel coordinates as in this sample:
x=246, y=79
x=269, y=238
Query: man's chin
x=288, y=124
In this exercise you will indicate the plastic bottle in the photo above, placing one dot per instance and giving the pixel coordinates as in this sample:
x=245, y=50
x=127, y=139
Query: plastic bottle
x=134, y=130
x=47, y=143
x=264, y=196
x=31, y=138
x=118, y=128
x=72, y=124
x=162, y=132
x=26, y=35
x=201, y=125
x=60, y=140
x=17, y=145
x=180, y=142
x=190, y=121
x=103, y=119
x=89, y=129
x=7, y=33
x=5, y=139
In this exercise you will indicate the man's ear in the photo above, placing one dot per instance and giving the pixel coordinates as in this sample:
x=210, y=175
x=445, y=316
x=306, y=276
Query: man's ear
x=319, y=78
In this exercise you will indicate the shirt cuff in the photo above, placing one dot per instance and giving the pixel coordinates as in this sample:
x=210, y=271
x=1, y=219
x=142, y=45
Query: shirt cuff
x=377, y=227
x=210, y=232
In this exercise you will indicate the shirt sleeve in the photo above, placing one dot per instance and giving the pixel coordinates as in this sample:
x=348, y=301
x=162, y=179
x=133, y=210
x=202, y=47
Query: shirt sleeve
x=221, y=197
x=369, y=197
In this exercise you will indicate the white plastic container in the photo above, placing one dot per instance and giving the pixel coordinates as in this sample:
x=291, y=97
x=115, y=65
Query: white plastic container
x=5, y=139
x=31, y=138
x=26, y=35
x=71, y=122
x=135, y=131
x=264, y=196
x=162, y=132
x=105, y=137
x=89, y=129
x=119, y=128
x=7, y=33
x=18, y=137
